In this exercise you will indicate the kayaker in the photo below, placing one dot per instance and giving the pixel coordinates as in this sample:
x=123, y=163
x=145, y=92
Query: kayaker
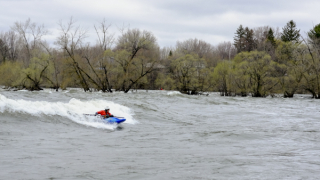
x=105, y=113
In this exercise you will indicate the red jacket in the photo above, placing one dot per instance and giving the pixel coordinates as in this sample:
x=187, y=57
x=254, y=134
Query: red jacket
x=104, y=113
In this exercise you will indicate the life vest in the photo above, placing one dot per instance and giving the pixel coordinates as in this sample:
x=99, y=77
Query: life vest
x=104, y=113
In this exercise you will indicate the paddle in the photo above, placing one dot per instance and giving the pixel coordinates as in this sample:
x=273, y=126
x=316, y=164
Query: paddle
x=89, y=114
x=102, y=115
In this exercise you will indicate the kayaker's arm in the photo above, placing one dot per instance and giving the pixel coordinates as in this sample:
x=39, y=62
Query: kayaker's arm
x=107, y=116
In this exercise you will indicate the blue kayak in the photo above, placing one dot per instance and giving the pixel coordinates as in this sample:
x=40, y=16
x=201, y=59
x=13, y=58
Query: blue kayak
x=113, y=120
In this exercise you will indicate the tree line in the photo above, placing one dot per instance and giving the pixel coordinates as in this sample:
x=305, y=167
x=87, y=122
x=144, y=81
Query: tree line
x=261, y=61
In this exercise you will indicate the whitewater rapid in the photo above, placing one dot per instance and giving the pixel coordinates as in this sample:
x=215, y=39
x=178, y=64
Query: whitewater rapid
x=76, y=110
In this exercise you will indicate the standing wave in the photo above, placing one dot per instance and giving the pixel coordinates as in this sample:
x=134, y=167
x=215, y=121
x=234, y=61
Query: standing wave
x=174, y=93
x=74, y=110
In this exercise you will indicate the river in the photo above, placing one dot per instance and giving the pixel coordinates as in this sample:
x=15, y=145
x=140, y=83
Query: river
x=167, y=135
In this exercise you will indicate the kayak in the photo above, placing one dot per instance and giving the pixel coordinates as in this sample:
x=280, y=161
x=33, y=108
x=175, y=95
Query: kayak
x=112, y=120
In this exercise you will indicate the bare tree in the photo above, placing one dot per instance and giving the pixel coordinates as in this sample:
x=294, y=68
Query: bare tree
x=30, y=35
x=98, y=58
x=312, y=75
x=4, y=51
x=165, y=52
x=199, y=47
x=71, y=41
x=260, y=36
x=226, y=50
x=12, y=43
x=105, y=40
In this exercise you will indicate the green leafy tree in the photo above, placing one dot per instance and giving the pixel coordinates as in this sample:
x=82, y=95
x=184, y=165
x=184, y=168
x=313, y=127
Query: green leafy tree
x=11, y=74
x=137, y=55
x=312, y=76
x=187, y=73
x=290, y=67
x=239, y=79
x=220, y=77
x=204, y=75
x=284, y=52
x=165, y=82
x=35, y=74
x=257, y=65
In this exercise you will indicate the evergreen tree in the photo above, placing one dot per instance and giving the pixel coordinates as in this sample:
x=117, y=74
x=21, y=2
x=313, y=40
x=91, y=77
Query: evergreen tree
x=249, y=43
x=270, y=37
x=239, y=39
x=314, y=33
x=290, y=32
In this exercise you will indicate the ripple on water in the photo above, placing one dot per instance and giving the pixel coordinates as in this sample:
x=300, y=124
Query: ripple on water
x=178, y=136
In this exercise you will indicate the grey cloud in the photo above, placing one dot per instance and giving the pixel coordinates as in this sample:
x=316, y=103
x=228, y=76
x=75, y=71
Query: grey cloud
x=170, y=21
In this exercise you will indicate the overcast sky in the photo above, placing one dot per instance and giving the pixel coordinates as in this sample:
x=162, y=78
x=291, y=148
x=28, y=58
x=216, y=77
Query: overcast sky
x=213, y=21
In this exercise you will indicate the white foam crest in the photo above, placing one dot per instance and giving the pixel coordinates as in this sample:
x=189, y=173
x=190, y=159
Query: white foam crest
x=73, y=110
x=172, y=93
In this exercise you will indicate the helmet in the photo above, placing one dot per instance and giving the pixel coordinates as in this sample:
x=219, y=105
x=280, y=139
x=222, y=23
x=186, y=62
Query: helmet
x=107, y=108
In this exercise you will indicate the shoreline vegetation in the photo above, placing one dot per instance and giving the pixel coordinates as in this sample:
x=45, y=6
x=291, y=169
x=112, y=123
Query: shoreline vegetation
x=260, y=62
